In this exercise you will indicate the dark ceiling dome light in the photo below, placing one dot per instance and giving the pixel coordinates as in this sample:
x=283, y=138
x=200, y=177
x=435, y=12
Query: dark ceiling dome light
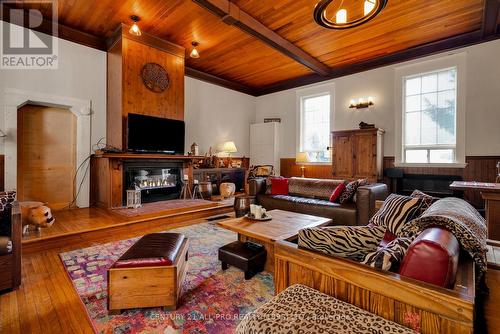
x=371, y=9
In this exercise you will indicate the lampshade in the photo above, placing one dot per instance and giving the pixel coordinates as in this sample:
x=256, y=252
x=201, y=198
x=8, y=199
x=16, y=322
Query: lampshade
x=229, y=147
x=302, y=158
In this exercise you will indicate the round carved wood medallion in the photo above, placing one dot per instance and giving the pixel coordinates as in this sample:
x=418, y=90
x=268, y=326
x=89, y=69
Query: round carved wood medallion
x=155, y=77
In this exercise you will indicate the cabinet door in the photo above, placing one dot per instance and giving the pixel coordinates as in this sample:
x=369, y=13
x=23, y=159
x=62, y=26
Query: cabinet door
x=342, y=153
x=365, y=154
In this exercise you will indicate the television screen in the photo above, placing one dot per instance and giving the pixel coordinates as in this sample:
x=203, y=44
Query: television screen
x=155, y=134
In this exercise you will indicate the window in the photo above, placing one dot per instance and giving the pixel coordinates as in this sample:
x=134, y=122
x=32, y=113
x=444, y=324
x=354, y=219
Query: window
x=315, y=127
x=430, y=117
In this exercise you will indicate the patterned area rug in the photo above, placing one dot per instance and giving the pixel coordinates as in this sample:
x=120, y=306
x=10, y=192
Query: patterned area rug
x=212, y=301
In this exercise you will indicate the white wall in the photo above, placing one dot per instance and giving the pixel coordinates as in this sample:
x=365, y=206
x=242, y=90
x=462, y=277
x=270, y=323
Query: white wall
x=81, y=74
x=482, y=109
x=214, y=115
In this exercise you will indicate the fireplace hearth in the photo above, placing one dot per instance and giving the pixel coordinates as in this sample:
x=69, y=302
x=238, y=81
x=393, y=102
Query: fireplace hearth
x=158, y=180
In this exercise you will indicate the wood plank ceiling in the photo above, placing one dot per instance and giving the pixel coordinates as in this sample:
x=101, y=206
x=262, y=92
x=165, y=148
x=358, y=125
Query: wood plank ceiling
x=235, y=55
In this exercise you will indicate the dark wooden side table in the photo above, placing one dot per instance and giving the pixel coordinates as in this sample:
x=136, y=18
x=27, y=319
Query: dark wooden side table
x=491, y=194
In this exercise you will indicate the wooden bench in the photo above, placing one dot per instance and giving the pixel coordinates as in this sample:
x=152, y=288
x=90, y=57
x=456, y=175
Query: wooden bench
x=138, y=280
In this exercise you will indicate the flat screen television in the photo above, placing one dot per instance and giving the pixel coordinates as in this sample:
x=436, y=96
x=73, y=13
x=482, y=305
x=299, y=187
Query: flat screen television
x=155, y=134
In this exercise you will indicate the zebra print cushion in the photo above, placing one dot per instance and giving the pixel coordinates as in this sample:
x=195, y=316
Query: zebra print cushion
x=351, y=242
x=389, y=257
x=396, y=211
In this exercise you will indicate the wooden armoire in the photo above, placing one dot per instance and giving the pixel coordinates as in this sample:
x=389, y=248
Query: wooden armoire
x=358, y=154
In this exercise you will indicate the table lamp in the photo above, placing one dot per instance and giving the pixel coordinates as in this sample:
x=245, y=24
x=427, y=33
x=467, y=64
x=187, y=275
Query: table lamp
x=229, y=147
x=302, y=158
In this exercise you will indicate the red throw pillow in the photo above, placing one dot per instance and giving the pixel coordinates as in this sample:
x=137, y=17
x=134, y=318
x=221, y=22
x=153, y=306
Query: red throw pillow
x=337, y=192
x=279, y=186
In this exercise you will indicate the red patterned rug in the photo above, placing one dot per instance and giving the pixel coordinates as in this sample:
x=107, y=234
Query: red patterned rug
x=213, y=301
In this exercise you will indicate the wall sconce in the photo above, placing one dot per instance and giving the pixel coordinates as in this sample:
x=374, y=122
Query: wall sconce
x=2, y=134
x=362, y=103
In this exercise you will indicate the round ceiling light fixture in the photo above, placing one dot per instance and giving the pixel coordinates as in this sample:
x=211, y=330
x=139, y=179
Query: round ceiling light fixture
x=346, y=15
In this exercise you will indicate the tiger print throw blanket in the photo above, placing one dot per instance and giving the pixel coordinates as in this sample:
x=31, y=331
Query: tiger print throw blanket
x=461, y=219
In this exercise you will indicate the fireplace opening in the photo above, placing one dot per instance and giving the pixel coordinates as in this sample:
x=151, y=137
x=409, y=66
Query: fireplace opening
x=157, y=180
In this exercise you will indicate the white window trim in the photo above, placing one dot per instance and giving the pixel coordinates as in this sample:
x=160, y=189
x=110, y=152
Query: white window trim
x=459, y=62
x=311, y=92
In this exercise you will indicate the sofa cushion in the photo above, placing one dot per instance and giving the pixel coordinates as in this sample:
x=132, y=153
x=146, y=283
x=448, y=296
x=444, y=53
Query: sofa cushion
x=437, y=246
x=396, y=211
x=156, y=249
x=427, y=200
x=350, y=190
x=388, y=257
x=279, y=186
x=301, y=309
x=313, y=188
x=351, y=242
x=335, y=196
x=341, y=214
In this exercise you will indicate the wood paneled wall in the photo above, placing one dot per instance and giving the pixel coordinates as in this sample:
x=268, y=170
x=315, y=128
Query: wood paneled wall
x=2, y=172
x=479, y=168
x=126, y=91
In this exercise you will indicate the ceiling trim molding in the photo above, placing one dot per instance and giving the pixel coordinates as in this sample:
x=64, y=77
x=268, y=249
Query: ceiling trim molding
x=64, y=32
x=213, y=79
x=420, y=51
x=491, y=15
x=147, y=39
x=231, y=14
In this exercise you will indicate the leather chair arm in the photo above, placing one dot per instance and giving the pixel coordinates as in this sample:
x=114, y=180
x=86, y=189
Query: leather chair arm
x=365, y=200
x=256, y=186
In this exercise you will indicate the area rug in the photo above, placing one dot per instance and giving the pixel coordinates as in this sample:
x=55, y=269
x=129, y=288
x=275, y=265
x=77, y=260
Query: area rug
x=213, y=301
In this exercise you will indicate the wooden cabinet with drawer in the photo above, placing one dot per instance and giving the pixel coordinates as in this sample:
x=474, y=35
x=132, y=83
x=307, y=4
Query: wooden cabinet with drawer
x=357, y=154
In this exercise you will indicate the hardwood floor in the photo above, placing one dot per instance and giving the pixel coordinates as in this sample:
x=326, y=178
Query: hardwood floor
x=47, y=303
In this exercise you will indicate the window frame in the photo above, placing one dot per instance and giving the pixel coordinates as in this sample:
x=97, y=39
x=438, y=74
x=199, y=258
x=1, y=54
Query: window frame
x=456, y=61
x=303, y=94
x=428, y=148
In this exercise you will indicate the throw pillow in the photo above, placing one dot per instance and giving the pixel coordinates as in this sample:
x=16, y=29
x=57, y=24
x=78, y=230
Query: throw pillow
x=389, y=257
x=396, y=211
x=351, y=242
x=279, y=186
x=427, y=200
x=349, y=192
x=337, y=192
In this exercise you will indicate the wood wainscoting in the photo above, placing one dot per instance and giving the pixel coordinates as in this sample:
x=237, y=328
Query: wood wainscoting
x=479, y=168
x=2, y=172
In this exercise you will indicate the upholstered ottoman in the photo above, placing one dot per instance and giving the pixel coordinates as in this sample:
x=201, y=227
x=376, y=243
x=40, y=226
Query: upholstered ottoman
x=301, y=309
x=149, y=274
x=247, y=256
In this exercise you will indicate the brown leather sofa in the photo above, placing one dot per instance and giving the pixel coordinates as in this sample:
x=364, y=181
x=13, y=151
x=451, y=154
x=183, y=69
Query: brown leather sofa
x=311, y=196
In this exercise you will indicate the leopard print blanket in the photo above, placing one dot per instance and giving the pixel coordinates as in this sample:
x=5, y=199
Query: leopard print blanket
x=301, y=309
x=461, y=219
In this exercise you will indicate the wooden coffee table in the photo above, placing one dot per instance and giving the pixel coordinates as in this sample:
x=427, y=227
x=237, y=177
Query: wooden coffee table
x=284, y=225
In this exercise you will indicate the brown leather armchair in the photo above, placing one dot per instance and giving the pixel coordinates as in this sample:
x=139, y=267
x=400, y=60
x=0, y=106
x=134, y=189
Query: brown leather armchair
x=311, y=196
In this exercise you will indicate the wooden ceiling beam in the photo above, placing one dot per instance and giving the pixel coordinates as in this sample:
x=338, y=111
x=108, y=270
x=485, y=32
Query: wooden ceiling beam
x=428, y=49
x=491, y=16
x=233, y=15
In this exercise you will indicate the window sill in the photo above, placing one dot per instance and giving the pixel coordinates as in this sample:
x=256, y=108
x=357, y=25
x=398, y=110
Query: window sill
x=430, y=165
x=313, y=163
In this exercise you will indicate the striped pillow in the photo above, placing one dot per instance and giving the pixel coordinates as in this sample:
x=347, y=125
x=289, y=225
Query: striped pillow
x=351, y=242
x=389, y=257
x=396, y=211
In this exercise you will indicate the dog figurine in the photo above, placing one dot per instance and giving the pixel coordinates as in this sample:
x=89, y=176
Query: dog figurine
x=35, y=214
